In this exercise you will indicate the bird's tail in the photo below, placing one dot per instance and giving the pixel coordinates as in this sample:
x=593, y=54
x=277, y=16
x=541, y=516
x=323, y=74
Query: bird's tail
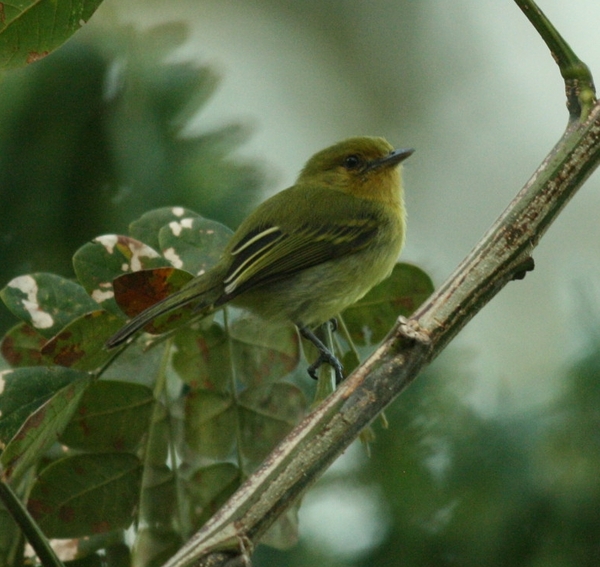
x=203, y=291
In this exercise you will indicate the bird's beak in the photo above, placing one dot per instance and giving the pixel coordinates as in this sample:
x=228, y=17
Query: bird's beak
x=392, y=159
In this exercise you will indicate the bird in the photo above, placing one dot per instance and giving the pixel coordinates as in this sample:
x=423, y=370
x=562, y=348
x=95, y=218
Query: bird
x=309, y=251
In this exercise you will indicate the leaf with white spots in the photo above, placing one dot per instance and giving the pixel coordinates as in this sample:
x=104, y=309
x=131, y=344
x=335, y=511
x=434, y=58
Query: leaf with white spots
x=100, y=261
x=147, y=227
x=193, y=244
x=46, y=301
x=24, y=390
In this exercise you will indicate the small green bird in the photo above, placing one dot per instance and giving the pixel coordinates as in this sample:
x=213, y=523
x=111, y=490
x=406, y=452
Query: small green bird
x=310, y=251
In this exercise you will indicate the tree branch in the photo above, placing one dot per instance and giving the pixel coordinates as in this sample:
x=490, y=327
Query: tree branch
x=503, y=254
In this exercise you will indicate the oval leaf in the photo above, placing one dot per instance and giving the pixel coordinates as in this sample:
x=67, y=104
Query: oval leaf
x=46, y=301
x=139, y=290
x=201, y=358
x=372, y=317
x=210, y=423
x=111, y=416
x=81, y=343
x=99, y=262
x=208, y=489
x=267, y=414
x=262, y=351
x=41, y=429
x=24, y=390
x=21, y=347
x=194, y=244
x=86, y=494
x=30, y=29
x=147, y=227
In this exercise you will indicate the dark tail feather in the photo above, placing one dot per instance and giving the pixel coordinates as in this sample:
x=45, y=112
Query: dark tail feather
x=184, y=296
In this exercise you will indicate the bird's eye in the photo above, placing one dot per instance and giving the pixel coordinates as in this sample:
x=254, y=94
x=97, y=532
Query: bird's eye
x=352, y=162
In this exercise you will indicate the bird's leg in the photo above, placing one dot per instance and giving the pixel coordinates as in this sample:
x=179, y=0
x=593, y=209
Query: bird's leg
x=325, y=355
x=333, y=323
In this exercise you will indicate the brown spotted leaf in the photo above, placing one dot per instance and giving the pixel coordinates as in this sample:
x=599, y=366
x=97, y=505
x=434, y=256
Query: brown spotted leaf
x=111, y=416
x=41, y=429
x=80, y=344
x=31, y=29
x=267, y=414
x=137, y=291
x=201, y=357
x=87, y=494
x=107, y=257
x=21, y=347
x=207, y=489
x=262, y=351
x=24, y=390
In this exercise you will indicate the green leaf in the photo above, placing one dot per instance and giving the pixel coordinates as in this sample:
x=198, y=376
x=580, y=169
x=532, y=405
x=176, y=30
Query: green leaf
x=46, y=301
x=159, y=511
x=81, y=343
x=371, y=317
x=107, y=257
x=268, y=413
x=194, y=244
x=147, y=227
x=86, y=494
x=262, y=351
x=210, y=423
x=201, y=358
x=41, y=429
x=21, y=346
x=207, y=490
x=24, y=390
x=136, y=364
x=30, y=29
x=111, y=416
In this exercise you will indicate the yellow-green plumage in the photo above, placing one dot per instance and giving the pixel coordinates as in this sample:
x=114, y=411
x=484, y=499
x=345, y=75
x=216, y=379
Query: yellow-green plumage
x=308, y=252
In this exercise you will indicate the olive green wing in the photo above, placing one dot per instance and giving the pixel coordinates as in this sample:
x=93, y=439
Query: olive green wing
x=270, y=253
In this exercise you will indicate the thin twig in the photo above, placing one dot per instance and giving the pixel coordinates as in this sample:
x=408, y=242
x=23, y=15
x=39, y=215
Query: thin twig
x=579, y=85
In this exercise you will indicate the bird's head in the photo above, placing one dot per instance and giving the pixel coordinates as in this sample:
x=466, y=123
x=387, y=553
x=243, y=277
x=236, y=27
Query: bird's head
x=363, y=166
